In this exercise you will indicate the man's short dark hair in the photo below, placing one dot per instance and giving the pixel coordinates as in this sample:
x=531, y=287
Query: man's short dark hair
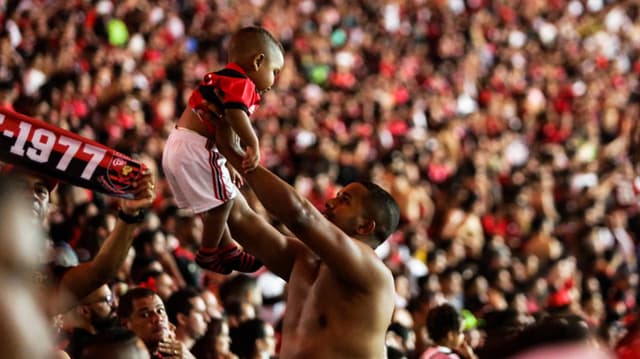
x=144, y=238
x=383, y=209
x=180, y=303
x=125, y=306
x=443, y=320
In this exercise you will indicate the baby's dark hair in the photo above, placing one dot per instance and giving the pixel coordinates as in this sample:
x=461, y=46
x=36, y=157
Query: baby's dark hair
x=252, y=34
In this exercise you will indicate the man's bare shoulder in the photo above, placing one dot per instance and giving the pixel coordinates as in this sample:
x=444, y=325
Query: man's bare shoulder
x=384, y=277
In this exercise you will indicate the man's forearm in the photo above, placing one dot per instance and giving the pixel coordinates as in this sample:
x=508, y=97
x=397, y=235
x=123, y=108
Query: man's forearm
x=87, y=277
x=114, y=250
x=277, y=196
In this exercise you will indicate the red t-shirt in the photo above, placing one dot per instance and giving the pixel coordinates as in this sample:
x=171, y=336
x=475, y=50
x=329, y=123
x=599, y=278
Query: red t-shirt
x=227, y=88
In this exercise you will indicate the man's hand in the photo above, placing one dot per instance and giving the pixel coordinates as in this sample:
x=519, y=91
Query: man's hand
x=236, y=178
x=145, y=193
x=172, y=348
x=251, y=159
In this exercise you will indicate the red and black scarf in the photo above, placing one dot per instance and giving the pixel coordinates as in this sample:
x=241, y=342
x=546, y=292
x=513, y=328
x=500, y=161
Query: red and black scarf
x=66, y=156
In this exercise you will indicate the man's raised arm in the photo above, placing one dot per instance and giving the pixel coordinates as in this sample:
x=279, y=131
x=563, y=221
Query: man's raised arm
x=352, y=261
x=87, y=277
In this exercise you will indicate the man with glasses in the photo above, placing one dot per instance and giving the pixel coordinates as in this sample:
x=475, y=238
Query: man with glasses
x=95, y=313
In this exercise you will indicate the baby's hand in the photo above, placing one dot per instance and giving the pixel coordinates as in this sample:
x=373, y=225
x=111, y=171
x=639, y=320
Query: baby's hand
x=251, y=159
x=236, y=178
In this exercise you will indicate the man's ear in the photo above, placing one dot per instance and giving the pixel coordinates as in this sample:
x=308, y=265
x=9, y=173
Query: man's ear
x=366, y=226
x=82, y=311
x=258, y=60
x=181, y=319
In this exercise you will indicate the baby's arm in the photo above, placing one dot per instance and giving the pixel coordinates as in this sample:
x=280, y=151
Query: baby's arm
x=241, y=124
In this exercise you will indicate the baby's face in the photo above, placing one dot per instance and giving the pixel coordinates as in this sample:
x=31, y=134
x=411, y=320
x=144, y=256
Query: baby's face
x=268, y=70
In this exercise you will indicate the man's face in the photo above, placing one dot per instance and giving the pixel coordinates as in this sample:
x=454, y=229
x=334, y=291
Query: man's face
x=100, y=306
x=213, y=308
x=268, y=69
x=223, y=340
x=165, y=286
x=345, y=209
x=198, y=318
x=149, y=320
x=38, y=193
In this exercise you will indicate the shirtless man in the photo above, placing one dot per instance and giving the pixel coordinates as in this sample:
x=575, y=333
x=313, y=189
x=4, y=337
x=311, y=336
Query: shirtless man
x=341, y=295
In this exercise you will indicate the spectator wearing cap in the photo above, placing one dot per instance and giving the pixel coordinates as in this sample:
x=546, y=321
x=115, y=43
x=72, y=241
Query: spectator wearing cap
x=95, y=313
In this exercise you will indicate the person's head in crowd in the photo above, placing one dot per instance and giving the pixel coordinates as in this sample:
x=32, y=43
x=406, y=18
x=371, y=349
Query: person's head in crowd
x=253, y=339
x=36, y=187
x=212, y=304
x=187, y=311
x=150, y=243
x=94, y=233
x=216, y=342
x=239, y=311
x=23, y=328
x=374, y=216
x=444, y=325
x=142, y=266
x=451, y=282
x=475, y=293
x=96, y=312
x=437, y=261
x=430, y=283
x=557, y=336
x=500, y=327
x=401, y=338
x=142, y=311
x=421, y=304
x=259, y=54
x=159, y=282
x=115, y=343
x=593, y=307
x=240, y=287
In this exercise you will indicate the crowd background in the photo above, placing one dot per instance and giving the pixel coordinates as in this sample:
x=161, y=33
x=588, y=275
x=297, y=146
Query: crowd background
x=506, y=130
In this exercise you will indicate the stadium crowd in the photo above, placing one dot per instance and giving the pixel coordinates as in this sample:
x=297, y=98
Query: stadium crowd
x=504, y=129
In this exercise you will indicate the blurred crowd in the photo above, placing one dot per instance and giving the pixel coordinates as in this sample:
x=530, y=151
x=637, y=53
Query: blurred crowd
x=504, y=129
